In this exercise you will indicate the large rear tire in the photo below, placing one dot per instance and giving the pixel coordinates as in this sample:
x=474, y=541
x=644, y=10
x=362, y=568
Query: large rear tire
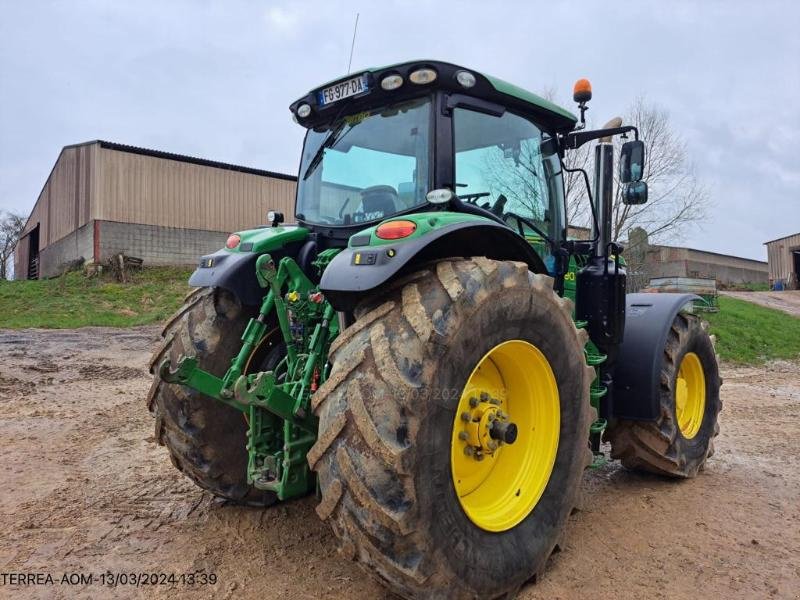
x=680, y=440
x=206, y=439
x=389, y=448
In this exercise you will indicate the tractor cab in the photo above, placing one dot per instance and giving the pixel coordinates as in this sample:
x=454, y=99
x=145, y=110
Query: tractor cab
x=380, y=141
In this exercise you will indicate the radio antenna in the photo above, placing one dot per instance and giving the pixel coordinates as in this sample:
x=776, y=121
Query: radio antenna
x=353, y=45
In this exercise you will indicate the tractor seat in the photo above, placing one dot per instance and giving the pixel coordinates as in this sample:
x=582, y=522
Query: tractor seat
x=379, y=201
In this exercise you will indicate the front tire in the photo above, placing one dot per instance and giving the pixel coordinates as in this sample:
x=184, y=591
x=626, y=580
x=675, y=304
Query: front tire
x=679, y=441
x=389, y=414
x=206, y=439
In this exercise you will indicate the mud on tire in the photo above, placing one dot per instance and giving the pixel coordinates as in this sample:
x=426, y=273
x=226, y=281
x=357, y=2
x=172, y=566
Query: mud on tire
x=205, y=438
x=386, y=417
x=659, y=446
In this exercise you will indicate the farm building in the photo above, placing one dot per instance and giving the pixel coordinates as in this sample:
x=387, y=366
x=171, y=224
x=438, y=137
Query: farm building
x=648, y=261
x=783, y=256
x=103, y=198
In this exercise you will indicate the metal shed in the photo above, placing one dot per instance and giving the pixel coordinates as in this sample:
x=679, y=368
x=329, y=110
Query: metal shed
x=783, y=256
x=102, y=198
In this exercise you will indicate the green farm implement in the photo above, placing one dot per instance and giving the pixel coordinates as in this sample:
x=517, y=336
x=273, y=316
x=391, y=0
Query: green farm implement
x=425, y=348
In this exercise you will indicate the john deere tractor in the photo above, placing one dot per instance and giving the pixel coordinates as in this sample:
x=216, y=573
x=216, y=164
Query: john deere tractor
x=427, y=349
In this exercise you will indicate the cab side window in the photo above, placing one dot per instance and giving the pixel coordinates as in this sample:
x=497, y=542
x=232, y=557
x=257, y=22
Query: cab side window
x=500, y=166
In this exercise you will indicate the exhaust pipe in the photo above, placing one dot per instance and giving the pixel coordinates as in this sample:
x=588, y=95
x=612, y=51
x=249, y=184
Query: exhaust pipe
x=600, y=294
x=604, y=187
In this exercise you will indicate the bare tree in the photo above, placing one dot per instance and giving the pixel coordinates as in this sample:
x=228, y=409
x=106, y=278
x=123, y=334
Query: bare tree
x=578, y=210
x=11, y=225
x=518, y=174
x=676, y=198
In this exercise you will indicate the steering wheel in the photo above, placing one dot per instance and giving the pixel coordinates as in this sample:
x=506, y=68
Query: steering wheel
x=472, y=198
x=498, y=208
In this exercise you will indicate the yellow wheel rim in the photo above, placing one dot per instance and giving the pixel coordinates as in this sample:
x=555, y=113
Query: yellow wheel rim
x=498, y=482
x=690, y=395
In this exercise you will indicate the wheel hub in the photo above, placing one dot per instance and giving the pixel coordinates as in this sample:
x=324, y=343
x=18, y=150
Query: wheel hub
x=485, y=427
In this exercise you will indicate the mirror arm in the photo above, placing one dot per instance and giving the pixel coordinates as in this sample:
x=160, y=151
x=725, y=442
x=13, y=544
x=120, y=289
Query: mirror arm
x=591, y=200
x=576, y=139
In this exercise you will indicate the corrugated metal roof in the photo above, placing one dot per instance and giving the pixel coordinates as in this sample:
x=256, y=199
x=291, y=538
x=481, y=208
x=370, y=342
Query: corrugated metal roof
x=782, y=238
x=754, y=260
x=183, y=158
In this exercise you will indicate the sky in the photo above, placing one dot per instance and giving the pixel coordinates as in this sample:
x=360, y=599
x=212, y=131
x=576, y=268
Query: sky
x=214, y=79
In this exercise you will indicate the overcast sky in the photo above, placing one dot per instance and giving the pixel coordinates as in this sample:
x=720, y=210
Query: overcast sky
x=215, y=79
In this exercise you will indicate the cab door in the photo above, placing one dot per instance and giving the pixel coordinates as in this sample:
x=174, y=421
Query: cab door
x=508, y=165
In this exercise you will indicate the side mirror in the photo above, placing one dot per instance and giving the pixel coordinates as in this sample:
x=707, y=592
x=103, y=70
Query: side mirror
x=631, y=161
x=635, y=193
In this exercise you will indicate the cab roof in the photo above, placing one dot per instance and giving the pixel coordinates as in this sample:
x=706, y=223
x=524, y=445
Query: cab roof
x=486, y=87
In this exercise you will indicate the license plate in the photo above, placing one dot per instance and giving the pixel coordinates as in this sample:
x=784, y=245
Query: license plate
x=345, y=89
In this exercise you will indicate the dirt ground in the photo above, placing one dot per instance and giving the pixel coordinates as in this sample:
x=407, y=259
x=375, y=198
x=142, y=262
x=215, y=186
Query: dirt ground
x=788, y=301
x=85, y=489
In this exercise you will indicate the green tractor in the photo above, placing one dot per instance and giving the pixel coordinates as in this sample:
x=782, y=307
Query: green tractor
x=426, y=349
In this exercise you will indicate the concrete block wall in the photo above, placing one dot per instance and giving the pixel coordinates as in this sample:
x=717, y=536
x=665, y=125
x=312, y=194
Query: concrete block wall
x=723, y=273
x=53, y=259
x=726, y=273
x=666, y=269
x=157, y=245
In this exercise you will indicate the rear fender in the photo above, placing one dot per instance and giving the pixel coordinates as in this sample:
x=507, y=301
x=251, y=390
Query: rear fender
x=637, y=371
x=368, y=263
x=235, y=269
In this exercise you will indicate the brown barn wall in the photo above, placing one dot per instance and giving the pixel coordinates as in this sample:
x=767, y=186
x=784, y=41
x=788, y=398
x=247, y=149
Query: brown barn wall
x=135, y=188
x=90, y=183
x=779, y=256
x=62, y=206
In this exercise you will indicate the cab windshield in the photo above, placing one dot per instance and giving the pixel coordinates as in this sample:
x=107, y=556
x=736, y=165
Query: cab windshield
x=366, y=167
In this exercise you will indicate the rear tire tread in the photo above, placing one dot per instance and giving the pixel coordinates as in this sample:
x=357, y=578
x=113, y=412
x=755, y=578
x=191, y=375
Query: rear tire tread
x=371, y=505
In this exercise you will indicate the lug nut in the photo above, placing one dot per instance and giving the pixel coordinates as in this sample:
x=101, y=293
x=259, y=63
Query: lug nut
x=494, y=401
x=479, y=456
x=492, y=445
x=473, y=402
x=469, y=450
x=484, y=397
x=491, y=417
x=463, y=436
x=465, y=416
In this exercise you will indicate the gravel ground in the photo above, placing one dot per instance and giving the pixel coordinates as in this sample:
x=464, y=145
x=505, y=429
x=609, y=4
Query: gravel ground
x=788, y=301
x=87, y=490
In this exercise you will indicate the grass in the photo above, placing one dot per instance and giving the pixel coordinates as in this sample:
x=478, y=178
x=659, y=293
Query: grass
x=746, y=333
x=751, y=334
x=74, y=300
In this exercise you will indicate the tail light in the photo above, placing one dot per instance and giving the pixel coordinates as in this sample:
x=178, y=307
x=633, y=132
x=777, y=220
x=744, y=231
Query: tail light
x=395, y=230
